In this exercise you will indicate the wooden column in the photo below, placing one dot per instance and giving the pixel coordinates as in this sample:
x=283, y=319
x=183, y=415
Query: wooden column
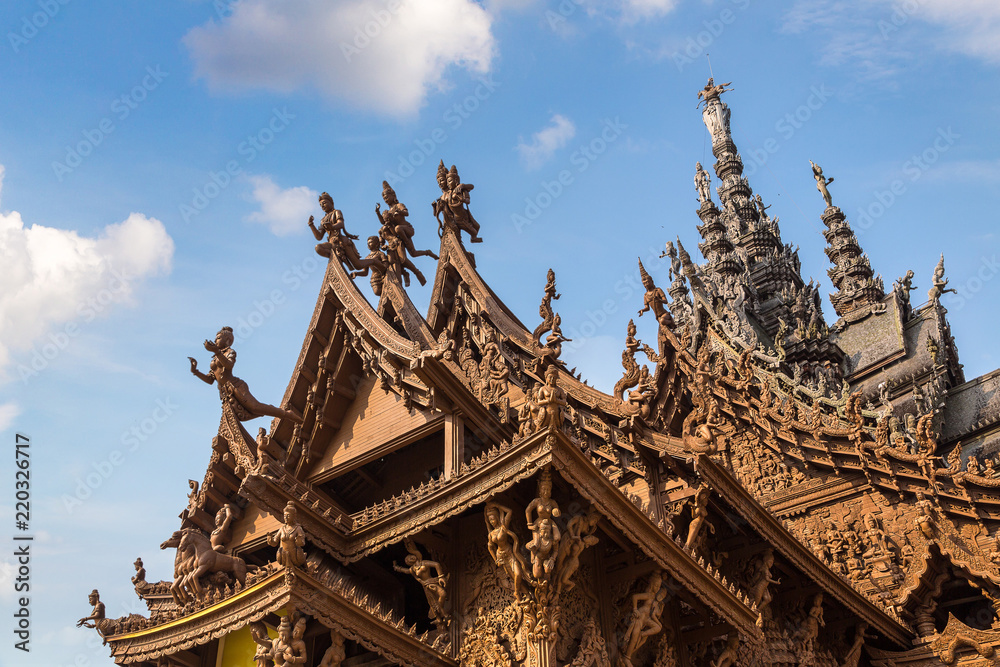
x=454, y=443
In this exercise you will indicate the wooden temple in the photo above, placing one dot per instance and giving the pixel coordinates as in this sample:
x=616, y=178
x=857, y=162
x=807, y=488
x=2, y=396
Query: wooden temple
x=761, y=488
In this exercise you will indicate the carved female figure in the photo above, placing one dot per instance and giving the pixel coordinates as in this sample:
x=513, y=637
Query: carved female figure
x=645, y=621
x=700, y=513
x=821, y=183
x=221, y=534
x=503, y=545
x=431, y=576
x=579, y=536
x=551, y=400
x=454, y=202
x=545, y=534
x=258, y=631
x=339, y=243
x=233, y=390
x=289, y=649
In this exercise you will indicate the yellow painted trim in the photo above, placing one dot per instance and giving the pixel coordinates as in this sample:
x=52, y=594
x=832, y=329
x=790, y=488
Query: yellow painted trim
x=204, y=612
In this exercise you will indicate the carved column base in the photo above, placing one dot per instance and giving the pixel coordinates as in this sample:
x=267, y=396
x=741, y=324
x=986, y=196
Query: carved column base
x=541, y=653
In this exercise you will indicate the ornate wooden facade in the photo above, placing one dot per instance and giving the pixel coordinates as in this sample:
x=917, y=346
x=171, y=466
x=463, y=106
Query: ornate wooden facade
x=768, y=490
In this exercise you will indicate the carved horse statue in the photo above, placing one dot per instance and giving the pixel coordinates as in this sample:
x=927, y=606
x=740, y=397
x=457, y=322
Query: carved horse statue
x=196, y=558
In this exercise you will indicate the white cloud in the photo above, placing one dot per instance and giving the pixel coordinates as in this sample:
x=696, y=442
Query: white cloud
x=647, y=9
x=546, y=142
x=356, y=51
x=283, y=211
x=56, y=277
x=8, y=413
x=971, y=27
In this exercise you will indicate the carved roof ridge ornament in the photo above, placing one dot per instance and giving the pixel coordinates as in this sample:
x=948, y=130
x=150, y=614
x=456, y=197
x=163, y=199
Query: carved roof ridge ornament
x=545, y=309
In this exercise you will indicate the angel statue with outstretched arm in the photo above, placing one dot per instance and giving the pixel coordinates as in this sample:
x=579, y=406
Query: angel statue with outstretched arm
x=233, y=390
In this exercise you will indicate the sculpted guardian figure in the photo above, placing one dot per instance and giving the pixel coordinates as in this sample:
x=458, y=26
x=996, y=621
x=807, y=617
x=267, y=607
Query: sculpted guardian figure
x=647, y=607
x=339, y=243
x=454, y=202
x=233, y=390
x=397, y=235
x=702, y=183
x=289, y=539
x=97, y=620
x=939, y=286
x=821, y=183
x=551, y=399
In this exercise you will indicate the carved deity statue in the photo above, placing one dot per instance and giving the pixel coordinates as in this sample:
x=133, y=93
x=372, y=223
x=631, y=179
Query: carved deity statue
x=727, y=658
x=545, y=308
x=939, y=284
x=222, y=532
x=97, y=619
x=647, y=607
x=821, y=183
x=289, y=538
x=503, y=545
x=699, y=511
x=289, y=649
x=233, y=390
x=551, y=399
x=903, y=286
x=454, y=203
x=377, y=262
x=761, y=593
x=432, y=578
x=545, y=535
x=925, y=519
x=711, y=91
x=812, y=622
x=397, y=236
x=703, y=184
x=139, y=579
x=655, y=299
x=339, y=243
x=631, y=376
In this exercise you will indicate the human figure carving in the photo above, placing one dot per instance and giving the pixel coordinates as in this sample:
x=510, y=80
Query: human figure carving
x=545, y=308
x=289, y=649
x=821, y=183
x=631, y=376
x=493, y=371
x=377, y=262
x=258, y=632
x=222, y=533
x=654, y=299
x=903, y=286
x=395, y=217
x=812, y=623
x=925, y=519
x=647, y=607
x=711, y=91
x=728, y=656
x=644, y=392
x=139, y=579
x=431, y=576
x=551, y=399
x=454, y=202
x=289, y=538
x=761, y=593
x=579, y=535
x=703, y=184
x=544, y=544
x=97, y=619
x=233, y=390
x=699, y=512
x=939, y=286
x=339, y=243
x=336, y=654
x=503, y=545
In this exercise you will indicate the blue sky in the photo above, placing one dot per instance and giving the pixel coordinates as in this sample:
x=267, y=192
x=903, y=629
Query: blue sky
x=160, y=161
